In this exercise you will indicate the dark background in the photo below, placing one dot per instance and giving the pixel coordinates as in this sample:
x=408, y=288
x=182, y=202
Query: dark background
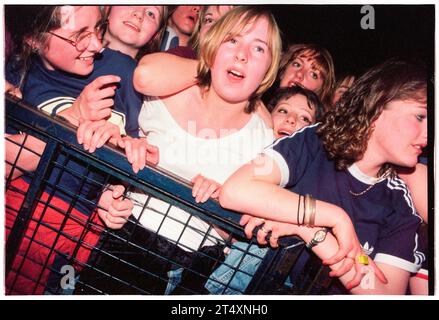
x=400, y=30
x=405, y=31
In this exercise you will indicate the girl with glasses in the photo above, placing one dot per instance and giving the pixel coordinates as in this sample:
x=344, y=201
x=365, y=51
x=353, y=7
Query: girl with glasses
x=65, y=72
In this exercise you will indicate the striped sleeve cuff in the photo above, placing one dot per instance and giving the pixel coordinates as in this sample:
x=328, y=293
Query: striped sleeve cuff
x=281, y=163
x=56, y=105
x=397, y=262
x=118, y=118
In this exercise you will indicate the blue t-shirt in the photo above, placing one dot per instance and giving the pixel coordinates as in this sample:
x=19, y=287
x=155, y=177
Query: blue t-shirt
x=53, y=89
x=384, y=216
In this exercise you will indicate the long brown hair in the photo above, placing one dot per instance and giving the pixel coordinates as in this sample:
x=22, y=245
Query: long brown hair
x=347, y=127
x=324, y=61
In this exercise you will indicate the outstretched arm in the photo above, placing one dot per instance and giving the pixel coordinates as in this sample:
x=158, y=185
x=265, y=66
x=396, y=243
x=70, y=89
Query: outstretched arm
x=375, y=278
x=161, y=74
x=255, y=189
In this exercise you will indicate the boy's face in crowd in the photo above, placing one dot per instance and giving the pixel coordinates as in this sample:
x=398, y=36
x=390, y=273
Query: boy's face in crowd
x=133, y=25
x=59, y=54
x=184, y=18
x=400, y=133
x=242, y=62
x=292, y=114
x=304, y=71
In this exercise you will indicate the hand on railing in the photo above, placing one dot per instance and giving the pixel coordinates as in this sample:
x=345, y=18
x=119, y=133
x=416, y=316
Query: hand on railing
x=204, y=188
x=95, y=102
x=139, y=152
x=275, y=228
x=94, y=134
x=339, y=269
x=114, y=210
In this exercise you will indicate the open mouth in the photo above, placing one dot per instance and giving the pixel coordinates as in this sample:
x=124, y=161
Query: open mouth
x=235, y=74
x=131, y=26
x=87, y=59
x=294, y=84
x=283, y=133
x=418, y=148
x=192, y=19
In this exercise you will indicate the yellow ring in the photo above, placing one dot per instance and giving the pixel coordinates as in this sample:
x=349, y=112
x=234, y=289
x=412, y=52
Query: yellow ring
x=363, y=259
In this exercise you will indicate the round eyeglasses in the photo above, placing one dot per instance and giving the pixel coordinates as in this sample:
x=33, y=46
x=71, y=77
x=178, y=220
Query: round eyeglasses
x=82, y=40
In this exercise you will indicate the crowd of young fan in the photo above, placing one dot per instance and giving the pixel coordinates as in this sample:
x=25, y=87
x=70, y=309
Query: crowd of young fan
x=336, y=159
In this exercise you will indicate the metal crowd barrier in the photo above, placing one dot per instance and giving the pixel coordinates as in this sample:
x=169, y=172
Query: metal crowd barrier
x=52, y=248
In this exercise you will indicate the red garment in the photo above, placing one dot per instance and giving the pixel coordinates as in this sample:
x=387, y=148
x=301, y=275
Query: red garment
x=76, y=237
x=184, y=52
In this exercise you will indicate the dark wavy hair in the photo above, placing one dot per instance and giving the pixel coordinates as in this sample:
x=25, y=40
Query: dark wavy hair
x=285, y=93
x=347, y=127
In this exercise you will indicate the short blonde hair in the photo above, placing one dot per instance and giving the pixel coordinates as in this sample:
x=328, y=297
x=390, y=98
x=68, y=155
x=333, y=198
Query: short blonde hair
x=232, y=23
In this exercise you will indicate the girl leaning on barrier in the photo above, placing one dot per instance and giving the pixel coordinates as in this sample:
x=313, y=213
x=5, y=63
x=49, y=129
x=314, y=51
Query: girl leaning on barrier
x=239, y=59
x=348, y=161
x=66, y=72
x=235, y=69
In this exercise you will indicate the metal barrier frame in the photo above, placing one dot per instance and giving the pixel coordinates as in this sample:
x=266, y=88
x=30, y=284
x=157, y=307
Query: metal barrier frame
x=276, y=265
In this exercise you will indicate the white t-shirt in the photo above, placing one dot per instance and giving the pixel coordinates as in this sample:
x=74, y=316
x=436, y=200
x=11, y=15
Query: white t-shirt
x=186, y=155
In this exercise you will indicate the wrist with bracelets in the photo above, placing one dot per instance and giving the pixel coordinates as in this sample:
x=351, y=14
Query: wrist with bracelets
x=309, y=211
